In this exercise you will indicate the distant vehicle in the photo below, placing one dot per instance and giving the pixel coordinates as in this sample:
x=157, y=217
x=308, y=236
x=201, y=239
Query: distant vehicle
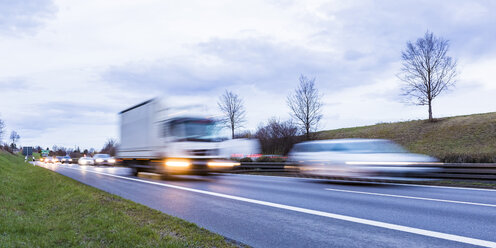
x=240, y=148
x=48, y=160
x=358, y=158
x=59, y=158
x=66, y=159
x=157, y=138
x=55, y=160
x=86, y=161
x=103, y=159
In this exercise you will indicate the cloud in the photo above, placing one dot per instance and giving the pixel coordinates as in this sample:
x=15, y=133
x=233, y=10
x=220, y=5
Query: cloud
x=258, y=61
x=383, y=27
x=64, y=79
x=12, y=84
x=24, y=16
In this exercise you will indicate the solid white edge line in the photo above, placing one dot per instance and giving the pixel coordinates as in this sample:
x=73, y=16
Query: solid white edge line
x=380, y=183
x=412, y=197
x=407, y=229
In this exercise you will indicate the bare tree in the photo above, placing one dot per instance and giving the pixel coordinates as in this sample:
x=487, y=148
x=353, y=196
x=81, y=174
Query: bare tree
x=14, y=136
x=233, y=111
x=427, y=70
x=110, y=147
x=306, y=105
x=2, y=126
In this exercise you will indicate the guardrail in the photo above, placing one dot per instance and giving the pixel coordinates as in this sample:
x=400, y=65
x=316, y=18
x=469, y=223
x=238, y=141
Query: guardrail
x=465, y=171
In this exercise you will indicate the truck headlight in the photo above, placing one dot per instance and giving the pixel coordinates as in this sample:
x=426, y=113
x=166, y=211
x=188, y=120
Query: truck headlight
x=177, y=163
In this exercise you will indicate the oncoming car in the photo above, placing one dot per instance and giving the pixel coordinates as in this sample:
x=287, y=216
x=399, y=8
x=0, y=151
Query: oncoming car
x=59, y=158
x=86, y=161
x=359, y=158
x=49, y=160
x=103, y=159
x=55, y=160
x=66, y=159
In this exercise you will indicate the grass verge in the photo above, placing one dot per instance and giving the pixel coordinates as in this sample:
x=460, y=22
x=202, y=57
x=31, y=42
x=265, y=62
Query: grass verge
x=40, y=208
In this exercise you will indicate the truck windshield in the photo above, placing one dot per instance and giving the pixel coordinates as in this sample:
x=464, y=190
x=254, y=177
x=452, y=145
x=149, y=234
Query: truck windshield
x=194, y=130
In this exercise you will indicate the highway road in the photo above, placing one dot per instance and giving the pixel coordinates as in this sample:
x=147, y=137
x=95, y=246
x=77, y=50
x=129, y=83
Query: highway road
x=266, y=211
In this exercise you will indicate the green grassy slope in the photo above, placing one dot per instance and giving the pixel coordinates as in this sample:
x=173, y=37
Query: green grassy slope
x=40, y=208
x=469, y=138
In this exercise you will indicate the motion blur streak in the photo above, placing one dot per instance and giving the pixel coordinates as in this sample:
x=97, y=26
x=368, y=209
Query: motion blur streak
x=394, y=163
x=407, y=229
x=222, y=164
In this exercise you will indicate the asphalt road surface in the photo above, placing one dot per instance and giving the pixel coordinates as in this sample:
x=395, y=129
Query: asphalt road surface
x=266, y=211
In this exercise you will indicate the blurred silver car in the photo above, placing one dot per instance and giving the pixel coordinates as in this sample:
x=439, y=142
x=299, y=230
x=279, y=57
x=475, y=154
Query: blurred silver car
x=66, y=159
x=359, y=158
x=48, y=160
x=86, y=161
x=105, y=159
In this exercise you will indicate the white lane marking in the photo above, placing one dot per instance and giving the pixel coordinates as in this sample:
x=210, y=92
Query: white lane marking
x=407, y=229
x=380, y=183
x=444, y=187
x=413, y=197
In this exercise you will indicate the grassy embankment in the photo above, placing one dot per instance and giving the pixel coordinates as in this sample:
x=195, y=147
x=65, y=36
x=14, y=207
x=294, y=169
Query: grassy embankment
x=40, y=208
x=469, y=138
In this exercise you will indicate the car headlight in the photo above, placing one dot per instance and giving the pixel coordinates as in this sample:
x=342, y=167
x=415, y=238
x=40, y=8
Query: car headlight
x=111, y=160
x=222, y=164
x=98, y=160
x=70, y=159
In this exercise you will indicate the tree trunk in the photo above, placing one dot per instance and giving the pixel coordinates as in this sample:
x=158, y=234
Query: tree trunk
x=430, y=111
x=232, y=131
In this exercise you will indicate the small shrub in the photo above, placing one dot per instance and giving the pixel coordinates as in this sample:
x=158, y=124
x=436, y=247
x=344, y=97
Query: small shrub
x=246, y=160
x=270, y=159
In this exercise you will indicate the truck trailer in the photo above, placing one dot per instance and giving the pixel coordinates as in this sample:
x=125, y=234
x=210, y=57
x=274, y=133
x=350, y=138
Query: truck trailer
x=160, y=139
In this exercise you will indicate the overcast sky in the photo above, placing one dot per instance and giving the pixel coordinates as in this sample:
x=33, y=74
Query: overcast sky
x=68, y=67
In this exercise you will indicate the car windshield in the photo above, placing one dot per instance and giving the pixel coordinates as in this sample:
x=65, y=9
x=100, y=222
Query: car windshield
x=383, y=146
x=194, y=130
x=101, y=156
x=374, y=147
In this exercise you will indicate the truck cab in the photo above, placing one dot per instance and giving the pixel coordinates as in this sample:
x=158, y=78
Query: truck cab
x=156, y=139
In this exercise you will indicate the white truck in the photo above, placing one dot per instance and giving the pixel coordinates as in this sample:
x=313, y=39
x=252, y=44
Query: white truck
x=160, y=139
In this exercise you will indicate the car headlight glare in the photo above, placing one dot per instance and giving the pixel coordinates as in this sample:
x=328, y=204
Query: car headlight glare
x=222, y=164
x=177, y=163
